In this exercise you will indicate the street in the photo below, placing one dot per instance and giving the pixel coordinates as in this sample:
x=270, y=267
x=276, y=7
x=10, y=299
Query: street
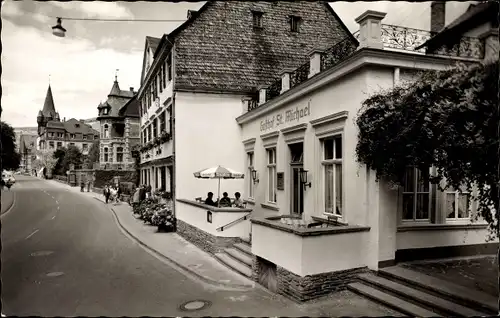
x=63, y=255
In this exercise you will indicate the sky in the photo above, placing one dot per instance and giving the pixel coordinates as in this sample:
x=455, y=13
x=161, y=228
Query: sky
x=81, y=67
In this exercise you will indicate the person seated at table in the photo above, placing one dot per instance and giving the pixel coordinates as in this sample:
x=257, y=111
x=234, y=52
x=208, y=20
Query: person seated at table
x=225, y=200
x=238, y=202
x=209, y=201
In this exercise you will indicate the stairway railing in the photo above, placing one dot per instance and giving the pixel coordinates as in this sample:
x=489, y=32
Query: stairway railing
x=243, y=218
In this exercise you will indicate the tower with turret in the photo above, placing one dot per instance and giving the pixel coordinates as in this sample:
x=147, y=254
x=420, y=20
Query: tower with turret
x=48, y=113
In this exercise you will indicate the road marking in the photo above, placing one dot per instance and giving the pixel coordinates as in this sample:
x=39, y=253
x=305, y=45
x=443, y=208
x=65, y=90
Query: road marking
x=55, y=274
x=32, y=234
x=54, y=215
x=57, y=203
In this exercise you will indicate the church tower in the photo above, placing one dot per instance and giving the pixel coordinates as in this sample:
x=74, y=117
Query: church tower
x=48, y=113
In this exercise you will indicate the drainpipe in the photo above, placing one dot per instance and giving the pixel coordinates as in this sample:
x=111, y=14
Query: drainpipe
x=172, y=114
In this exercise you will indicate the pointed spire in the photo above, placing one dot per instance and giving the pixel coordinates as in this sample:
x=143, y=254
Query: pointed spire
x=115, y=90
x=49, y=109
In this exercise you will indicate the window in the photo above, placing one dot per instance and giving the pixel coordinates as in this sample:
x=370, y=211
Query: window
x=294, y=23
x=169, y=66
x=458, y=205
x=163, y=76
x=71, y=143
x=257, y=19
x=105, y=111
x=416, y=195
x=59, y=144
x=106, y=155
x=106, y=131
x=160, y=75
x=77, y=125
x=51, y=134
x=51, y=145
x=72, y=136
x=84, y=137
x=162, y=122
x=85, y=147
x=144, y=136
x=149, y=132
x=119, y=154
x=250, y=174
x=332, y=174
x=155, y=87
x=271, y=175
x=155, y=127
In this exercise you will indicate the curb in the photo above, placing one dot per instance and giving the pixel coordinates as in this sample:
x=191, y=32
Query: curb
x=11, y=205
x=157, y=253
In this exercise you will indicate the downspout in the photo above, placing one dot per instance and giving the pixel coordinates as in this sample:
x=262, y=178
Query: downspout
x=172, y=127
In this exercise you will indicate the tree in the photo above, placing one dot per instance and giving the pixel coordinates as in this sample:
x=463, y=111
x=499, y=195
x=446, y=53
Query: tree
x=45, y=159
x=73, y=156
x=94, y=152
x=59, y=156
x=448, y=120
x=10, y=158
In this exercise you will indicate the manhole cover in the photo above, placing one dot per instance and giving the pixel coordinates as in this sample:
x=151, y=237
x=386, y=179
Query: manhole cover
x=55, y=274
x=195, y=305
x=41, y=253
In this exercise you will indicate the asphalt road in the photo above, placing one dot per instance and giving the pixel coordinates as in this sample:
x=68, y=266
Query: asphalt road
x=64, y=255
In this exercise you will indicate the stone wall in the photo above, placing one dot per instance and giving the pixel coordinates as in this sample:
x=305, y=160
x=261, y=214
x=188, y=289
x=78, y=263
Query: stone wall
x=309, y=287
x=206, y=241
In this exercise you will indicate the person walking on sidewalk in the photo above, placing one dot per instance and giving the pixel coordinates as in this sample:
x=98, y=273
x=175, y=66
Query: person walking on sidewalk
x=107, y=193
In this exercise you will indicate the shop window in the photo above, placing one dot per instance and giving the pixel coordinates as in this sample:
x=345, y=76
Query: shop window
x=332, y=175
x=250, y=174
x=106, y=155
x=271, y=175
x=416, y=195
x=119, y=154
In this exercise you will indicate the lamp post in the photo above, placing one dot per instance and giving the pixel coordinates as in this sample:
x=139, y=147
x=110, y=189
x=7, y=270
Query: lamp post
x=59, y=31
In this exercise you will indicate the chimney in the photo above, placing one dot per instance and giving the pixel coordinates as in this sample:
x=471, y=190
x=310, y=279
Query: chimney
x=191, y=14
x=438, y=13
x=131, y=89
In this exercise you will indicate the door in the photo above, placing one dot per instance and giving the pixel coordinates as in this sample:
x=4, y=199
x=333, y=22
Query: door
x=297, y=189
x=163, y=176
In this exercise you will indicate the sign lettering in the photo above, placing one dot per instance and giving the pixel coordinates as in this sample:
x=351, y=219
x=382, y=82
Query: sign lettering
x=287, y=116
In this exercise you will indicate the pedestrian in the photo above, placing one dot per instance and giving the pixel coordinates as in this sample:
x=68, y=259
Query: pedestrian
x=82, y=186
x=107, y=193
x=118, y=193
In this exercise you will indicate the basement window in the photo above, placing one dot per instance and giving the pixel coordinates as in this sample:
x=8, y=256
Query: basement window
x=294, y=23
x=257, y=19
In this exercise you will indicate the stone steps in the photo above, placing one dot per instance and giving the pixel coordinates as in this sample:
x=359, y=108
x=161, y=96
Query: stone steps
x=245, y=248
x=385, y=290
x=233, y=264
x=239, y=257
x=390, y=301
x=473, y=299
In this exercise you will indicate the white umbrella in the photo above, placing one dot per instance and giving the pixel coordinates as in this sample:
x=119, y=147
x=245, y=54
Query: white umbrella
x=218, y=172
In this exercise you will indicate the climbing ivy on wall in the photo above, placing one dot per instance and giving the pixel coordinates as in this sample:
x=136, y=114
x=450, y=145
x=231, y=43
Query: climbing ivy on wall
x=446, y=119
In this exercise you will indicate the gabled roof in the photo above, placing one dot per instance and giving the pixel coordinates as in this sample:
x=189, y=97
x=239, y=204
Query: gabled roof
x=475, y=15
x=117, y=98
x=131, y=108
x=150, y=43
x=74, y=126
x=49, y=109
x=252, y=60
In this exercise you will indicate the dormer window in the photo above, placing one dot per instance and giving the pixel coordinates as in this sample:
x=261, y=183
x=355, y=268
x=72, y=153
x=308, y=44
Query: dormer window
x=294, y=23
x=105, y=111
x=77, y=125
x=257, y=19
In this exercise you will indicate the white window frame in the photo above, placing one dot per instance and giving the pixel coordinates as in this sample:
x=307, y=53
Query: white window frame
x=106, y=131
x=271, y=170
x=415, y=195
x=105, y=154
x=119, y=152
x=334, y=163
x=250, y=164
x=457, y=194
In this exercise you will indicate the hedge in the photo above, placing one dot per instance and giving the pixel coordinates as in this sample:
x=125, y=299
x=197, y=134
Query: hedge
x=103, y=177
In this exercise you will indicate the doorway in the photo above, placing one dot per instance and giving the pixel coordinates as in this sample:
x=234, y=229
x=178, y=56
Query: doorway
x=296, y=165
x=163, y=178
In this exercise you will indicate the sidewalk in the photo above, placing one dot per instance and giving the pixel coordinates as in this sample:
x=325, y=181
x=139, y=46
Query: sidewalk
x=7, y=200
x=171, y=246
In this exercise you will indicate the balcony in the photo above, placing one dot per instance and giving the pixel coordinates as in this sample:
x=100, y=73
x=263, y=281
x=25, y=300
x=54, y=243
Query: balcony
x=393, y=38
